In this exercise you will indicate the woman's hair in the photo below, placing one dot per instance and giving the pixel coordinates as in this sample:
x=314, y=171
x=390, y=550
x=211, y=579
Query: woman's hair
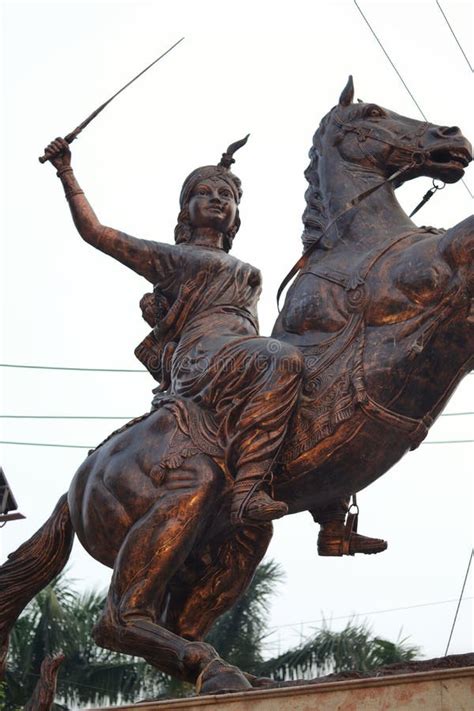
x=183, y=230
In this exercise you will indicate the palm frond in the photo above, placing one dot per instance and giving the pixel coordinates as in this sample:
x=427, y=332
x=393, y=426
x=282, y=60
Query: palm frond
x=326, y=652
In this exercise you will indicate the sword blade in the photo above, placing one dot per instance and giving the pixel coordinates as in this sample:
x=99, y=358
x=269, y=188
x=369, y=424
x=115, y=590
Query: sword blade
x=74, y=134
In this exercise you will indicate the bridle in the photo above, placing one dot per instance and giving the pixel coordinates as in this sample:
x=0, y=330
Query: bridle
x=417, y=155
x=416, y=152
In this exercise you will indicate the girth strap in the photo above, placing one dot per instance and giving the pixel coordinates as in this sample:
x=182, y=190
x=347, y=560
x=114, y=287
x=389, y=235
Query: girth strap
x=416, y=429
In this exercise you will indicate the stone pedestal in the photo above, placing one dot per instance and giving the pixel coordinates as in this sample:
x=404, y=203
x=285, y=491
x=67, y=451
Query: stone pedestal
x=439, y=690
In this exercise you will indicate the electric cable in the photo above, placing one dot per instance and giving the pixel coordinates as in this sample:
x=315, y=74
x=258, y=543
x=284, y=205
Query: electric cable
x=459, y=601
x=87, y=370
x=370, y=612
x=93, y=446
x=130, y=417
x=401, y=78
x=454, y=35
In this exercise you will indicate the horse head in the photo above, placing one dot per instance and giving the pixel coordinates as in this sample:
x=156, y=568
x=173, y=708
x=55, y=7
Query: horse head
x=360, y=144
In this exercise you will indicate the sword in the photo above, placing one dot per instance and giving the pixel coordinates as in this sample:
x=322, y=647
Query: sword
x=74, y=134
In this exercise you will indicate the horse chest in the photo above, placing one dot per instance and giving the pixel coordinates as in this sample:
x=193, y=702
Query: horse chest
x=416, y=280
x=320, y=306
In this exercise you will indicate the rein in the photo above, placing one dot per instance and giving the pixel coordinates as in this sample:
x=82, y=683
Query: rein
x=354, y=202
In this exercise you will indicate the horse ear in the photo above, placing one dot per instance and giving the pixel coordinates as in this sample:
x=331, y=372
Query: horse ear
x=347, y=95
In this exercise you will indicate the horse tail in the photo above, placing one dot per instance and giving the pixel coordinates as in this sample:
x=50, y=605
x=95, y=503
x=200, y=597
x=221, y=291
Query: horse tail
x=31, y=567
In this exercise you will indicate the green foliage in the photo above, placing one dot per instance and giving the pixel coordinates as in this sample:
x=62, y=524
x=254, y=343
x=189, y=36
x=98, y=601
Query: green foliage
x=60, y=620
x=352, y=649
x=239, y=633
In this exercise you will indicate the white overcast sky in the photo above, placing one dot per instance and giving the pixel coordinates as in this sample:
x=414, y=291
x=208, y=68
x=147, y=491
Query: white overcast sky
x=272, y=69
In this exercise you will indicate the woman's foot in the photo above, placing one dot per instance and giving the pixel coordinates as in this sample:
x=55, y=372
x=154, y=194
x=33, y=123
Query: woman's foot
x=336, y=539
x=259, y=507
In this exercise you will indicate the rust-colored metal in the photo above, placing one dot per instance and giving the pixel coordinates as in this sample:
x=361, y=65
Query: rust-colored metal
x=45, y=690
x=372, y=340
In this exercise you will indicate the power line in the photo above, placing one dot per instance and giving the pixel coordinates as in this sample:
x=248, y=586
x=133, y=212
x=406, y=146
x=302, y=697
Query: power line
x=454, y=35
x=87, y=370
x=63, y=682
x=455, y=414
x=459, y=602
x=48, y=444
x=400, y=77
x=69, y=417
x=389, y=59
x=370, y=612
x=92, y=446
x=449, y=441
x=130, y=417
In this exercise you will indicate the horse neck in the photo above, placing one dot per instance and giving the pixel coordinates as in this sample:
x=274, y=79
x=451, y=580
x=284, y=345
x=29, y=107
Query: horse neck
x=380, y=214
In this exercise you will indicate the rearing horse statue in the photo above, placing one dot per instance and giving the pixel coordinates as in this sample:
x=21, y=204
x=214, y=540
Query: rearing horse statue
x=380, y=315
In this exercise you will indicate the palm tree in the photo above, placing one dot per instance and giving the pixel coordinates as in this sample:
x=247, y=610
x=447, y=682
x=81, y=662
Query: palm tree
x=60, y=620
x=239, y=637
x=327, y=652
x=239, y=634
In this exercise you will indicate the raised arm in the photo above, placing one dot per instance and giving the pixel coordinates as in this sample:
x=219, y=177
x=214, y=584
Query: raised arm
x=134, y=253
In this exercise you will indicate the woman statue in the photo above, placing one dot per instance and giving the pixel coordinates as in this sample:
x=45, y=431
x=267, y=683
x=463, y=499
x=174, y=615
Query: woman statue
x=208, y=349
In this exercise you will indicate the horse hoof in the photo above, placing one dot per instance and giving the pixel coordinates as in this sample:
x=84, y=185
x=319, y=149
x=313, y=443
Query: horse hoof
x=221, y=678
x=259, y=682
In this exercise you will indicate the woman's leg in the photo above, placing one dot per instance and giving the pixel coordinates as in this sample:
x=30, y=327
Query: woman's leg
x=275, y=374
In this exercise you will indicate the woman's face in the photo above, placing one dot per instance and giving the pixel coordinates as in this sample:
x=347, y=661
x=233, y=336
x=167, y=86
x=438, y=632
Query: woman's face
x=212, y=204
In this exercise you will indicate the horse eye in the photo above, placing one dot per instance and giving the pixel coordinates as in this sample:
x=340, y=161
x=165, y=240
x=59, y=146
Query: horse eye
x=375, y=112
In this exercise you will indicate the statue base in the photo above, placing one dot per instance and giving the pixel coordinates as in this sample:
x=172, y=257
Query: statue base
x=437, y=689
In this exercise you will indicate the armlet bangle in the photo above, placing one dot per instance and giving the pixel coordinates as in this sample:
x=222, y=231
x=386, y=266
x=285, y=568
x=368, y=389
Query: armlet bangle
x=70, y=193
x=61, y=171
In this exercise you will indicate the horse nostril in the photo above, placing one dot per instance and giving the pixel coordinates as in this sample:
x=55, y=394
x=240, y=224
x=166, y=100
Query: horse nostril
x=450, y=130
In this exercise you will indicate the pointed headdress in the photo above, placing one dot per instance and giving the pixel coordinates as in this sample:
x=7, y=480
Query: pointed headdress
x=221, y=170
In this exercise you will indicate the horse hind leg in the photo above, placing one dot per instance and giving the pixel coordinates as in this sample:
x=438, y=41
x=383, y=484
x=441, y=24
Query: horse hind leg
x=156, y=547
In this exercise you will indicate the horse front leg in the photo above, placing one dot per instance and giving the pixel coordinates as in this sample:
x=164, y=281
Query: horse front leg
x=457, y=248
x=155, y=548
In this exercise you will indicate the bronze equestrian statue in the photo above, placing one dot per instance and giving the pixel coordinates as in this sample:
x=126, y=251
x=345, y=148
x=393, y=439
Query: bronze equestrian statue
x=375, y=334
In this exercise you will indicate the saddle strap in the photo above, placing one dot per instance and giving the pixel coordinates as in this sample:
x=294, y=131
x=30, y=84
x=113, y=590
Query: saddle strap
x=415, y=428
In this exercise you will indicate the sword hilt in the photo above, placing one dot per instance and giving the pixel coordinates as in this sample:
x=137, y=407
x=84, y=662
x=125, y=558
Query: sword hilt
x=47, y=156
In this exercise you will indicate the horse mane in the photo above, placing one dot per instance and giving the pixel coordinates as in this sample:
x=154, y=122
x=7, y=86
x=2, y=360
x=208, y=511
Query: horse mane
x=315, y=217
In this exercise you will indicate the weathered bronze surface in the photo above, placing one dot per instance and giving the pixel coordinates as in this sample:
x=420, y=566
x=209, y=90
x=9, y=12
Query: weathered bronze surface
x=45, y=690
x=372, y=340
